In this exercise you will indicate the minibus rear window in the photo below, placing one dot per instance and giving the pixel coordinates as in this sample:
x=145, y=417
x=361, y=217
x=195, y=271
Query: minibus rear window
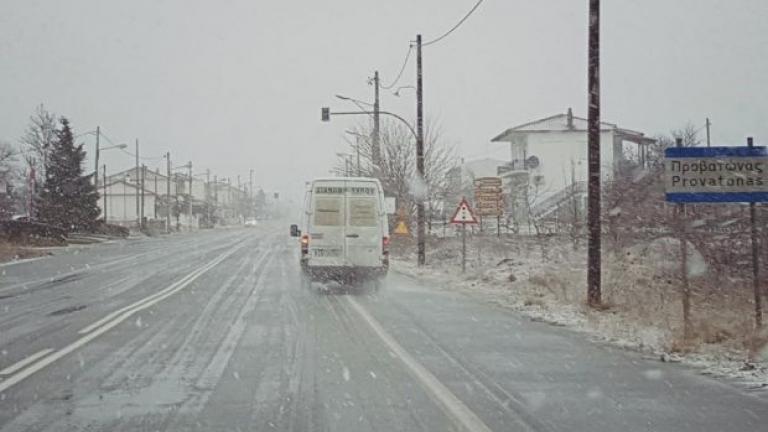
x=328, y=211
x=362, y=212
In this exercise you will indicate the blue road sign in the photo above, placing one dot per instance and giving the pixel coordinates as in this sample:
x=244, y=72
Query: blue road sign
x=716, y=174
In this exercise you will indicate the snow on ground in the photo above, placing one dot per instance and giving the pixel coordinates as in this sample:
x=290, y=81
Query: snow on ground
x=545, y=279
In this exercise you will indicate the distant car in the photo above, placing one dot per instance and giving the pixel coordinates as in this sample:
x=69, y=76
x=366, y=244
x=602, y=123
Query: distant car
x=251, y=222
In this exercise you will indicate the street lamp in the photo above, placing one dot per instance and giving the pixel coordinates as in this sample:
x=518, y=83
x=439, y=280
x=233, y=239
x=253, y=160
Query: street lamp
x=347, y=164
x=98, y=134
x=397, y=91
x=376, y=134
x=357, y=147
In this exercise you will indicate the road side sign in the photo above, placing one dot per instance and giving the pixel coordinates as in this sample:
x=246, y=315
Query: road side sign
x=716, y=174
x=464, y=214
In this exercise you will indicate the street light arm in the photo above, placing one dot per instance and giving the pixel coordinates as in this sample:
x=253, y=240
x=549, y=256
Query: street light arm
x=117, y=146
x=413, y=131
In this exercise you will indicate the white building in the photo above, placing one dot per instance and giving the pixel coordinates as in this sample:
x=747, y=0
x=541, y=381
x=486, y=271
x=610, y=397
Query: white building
x=550, y=156
x=121, y=202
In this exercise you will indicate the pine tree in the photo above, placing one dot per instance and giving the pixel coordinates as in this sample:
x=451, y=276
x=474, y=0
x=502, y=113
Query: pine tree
x=68, y=198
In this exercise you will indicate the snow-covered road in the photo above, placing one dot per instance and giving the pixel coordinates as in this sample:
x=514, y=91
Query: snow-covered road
x=213, y=331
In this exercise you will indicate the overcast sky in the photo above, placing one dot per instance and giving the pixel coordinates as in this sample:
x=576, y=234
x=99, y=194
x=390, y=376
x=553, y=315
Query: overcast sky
x=238, y=84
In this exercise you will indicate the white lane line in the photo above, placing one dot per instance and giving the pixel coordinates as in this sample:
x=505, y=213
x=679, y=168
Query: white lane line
x=40, y=364
x=23, y=362
x=138, y=303
x=452, y=405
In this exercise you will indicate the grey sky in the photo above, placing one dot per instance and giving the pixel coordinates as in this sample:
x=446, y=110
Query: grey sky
x=234, y=85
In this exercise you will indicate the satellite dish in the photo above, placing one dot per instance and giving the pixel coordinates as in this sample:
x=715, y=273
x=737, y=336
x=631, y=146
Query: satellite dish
x=532, y=162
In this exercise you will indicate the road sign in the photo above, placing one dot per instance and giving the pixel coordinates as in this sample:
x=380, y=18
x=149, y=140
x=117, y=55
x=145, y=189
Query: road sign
x=488, y=196
x=716, y=174
x=402, y=228
x=464, y=214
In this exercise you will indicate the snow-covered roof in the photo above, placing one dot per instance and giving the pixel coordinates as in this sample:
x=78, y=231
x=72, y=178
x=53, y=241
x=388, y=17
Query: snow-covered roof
x=561, y=123
x=113, y=183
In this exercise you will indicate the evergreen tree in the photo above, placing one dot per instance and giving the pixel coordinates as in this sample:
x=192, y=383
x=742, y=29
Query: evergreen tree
x=68, y=198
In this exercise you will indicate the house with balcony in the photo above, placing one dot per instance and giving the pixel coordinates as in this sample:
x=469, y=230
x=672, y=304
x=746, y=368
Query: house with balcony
x=547, y=169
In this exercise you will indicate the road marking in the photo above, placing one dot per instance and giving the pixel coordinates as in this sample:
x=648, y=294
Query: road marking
x=23, y=362
x=452, y=405
x=181, y=283
x=109, y=324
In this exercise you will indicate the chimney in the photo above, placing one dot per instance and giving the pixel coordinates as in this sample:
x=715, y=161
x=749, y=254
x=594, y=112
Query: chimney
x=570, y=118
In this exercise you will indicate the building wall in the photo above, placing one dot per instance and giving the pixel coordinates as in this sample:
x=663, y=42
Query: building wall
x=557, y=151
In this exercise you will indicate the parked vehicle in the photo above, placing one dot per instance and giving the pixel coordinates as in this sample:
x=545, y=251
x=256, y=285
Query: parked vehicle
x=345, y=234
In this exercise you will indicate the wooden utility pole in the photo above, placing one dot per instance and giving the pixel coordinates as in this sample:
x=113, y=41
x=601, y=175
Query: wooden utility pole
x=104, y=181
x=143, y=176
x=420, y=234
x=190, y=194
x=168, y=193
x=593, y=156
x=138, y=184
x=96, y=157
x=375, y=150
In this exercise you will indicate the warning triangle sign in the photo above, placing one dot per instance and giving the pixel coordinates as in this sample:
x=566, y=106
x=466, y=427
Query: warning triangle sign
x=464, y=213
x=401, y=228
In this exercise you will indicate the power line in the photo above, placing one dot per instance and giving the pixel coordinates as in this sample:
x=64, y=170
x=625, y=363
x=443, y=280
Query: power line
x=141, y=157
x=456, y=26
x=402, y=69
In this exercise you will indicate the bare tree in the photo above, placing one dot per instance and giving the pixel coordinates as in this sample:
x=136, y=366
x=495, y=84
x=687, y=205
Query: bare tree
x=38, y=138
x=8, y=175
x=689, y=134
x=397, y=167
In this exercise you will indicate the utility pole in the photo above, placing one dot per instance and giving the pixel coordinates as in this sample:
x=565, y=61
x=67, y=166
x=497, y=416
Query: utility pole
x=376, y=151
x=208, y=196
x=104, y=180
x=251, y=211
x=593, y=156
x=157, y=174
x=143, y=177
x=357, y=150
x=96, y=156
x=168, y=193
x=216, y=191
x=190, y=194
x=708, y=124
x=138, y=183
x=420, y=154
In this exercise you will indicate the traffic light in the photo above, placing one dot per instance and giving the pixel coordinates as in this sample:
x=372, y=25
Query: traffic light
x=325, y=114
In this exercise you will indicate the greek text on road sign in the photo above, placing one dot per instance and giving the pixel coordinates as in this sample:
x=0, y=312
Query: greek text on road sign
x=464, y=214
x=716, y=174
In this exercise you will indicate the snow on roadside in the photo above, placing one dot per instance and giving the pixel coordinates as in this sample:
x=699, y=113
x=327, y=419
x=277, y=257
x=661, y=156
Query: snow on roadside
x=547, y=285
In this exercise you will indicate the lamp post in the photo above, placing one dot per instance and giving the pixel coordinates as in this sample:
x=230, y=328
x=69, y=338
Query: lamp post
x=357, y=148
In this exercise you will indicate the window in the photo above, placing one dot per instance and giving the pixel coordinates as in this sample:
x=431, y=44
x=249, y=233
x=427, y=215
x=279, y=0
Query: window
x=362, y=212
x=328, y=211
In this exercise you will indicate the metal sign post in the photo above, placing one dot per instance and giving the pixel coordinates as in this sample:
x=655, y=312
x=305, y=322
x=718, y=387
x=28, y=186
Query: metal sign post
x=464, y=215
x=721, y=175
